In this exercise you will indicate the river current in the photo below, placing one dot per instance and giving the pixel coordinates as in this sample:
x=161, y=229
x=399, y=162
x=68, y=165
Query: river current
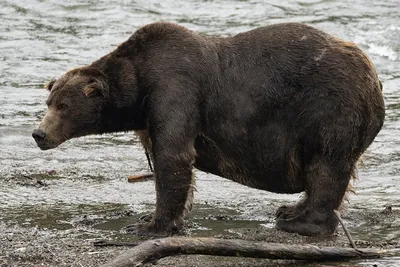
x=40, y=40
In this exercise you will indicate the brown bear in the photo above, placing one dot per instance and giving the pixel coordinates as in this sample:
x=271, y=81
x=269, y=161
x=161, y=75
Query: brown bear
x=285, y=108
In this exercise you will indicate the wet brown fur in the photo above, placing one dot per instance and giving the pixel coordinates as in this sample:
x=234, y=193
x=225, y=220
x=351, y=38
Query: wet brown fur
x=284, y=108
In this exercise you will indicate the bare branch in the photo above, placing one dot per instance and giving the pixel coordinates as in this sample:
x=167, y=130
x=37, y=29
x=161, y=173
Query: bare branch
x=153, y=250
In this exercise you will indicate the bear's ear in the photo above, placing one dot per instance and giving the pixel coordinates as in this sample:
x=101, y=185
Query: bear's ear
x=50, y=84
x=90, y=91
x=96, y=87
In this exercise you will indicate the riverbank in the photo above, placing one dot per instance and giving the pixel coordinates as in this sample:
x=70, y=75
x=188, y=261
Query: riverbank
x=73, y=246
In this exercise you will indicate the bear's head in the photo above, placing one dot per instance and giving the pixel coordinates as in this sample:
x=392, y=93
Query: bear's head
x=75, y=105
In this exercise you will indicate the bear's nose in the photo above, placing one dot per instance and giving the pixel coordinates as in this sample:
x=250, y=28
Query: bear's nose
x=38, y=135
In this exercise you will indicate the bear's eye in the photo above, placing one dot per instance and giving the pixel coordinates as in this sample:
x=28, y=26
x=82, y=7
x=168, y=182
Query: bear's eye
x=62, y=106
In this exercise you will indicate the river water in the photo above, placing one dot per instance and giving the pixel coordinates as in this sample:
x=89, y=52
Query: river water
x=40, y=40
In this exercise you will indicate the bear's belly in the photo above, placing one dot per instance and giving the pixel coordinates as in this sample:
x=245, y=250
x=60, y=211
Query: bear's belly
x=266, y=174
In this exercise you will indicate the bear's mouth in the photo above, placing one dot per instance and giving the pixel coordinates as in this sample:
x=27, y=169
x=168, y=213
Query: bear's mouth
x=42, y=140
x=43, y=145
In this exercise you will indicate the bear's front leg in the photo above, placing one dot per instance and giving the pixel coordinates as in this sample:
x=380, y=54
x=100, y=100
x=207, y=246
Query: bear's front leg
x=173, y=129
x=174, y=190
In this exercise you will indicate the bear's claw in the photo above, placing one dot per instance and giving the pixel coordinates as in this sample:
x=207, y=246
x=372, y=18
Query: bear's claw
x=309, y=223
x=286, y=212
x=146, y=217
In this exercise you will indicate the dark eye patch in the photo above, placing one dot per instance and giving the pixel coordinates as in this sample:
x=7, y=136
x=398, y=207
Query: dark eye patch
x=62, y=106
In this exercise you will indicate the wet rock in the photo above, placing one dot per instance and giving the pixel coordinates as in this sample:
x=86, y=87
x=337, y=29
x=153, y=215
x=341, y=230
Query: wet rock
x=219, y=217
x=28, y=180
x=387, y=210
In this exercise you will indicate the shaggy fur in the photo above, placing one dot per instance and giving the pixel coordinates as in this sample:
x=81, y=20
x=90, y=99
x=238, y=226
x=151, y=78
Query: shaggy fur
x=284, y=108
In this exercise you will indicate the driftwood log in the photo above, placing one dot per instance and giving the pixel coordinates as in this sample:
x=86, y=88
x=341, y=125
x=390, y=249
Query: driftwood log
x=153, y=250
x=140, y=177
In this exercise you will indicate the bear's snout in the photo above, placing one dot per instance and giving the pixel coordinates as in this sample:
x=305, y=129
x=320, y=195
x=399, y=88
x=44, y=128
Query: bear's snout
x=39, y=137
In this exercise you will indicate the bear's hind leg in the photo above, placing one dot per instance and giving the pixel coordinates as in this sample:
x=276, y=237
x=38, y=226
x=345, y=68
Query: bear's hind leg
x=327, y=181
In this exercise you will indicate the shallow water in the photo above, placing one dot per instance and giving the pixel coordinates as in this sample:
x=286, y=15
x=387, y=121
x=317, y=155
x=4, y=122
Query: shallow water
x=40, y=40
